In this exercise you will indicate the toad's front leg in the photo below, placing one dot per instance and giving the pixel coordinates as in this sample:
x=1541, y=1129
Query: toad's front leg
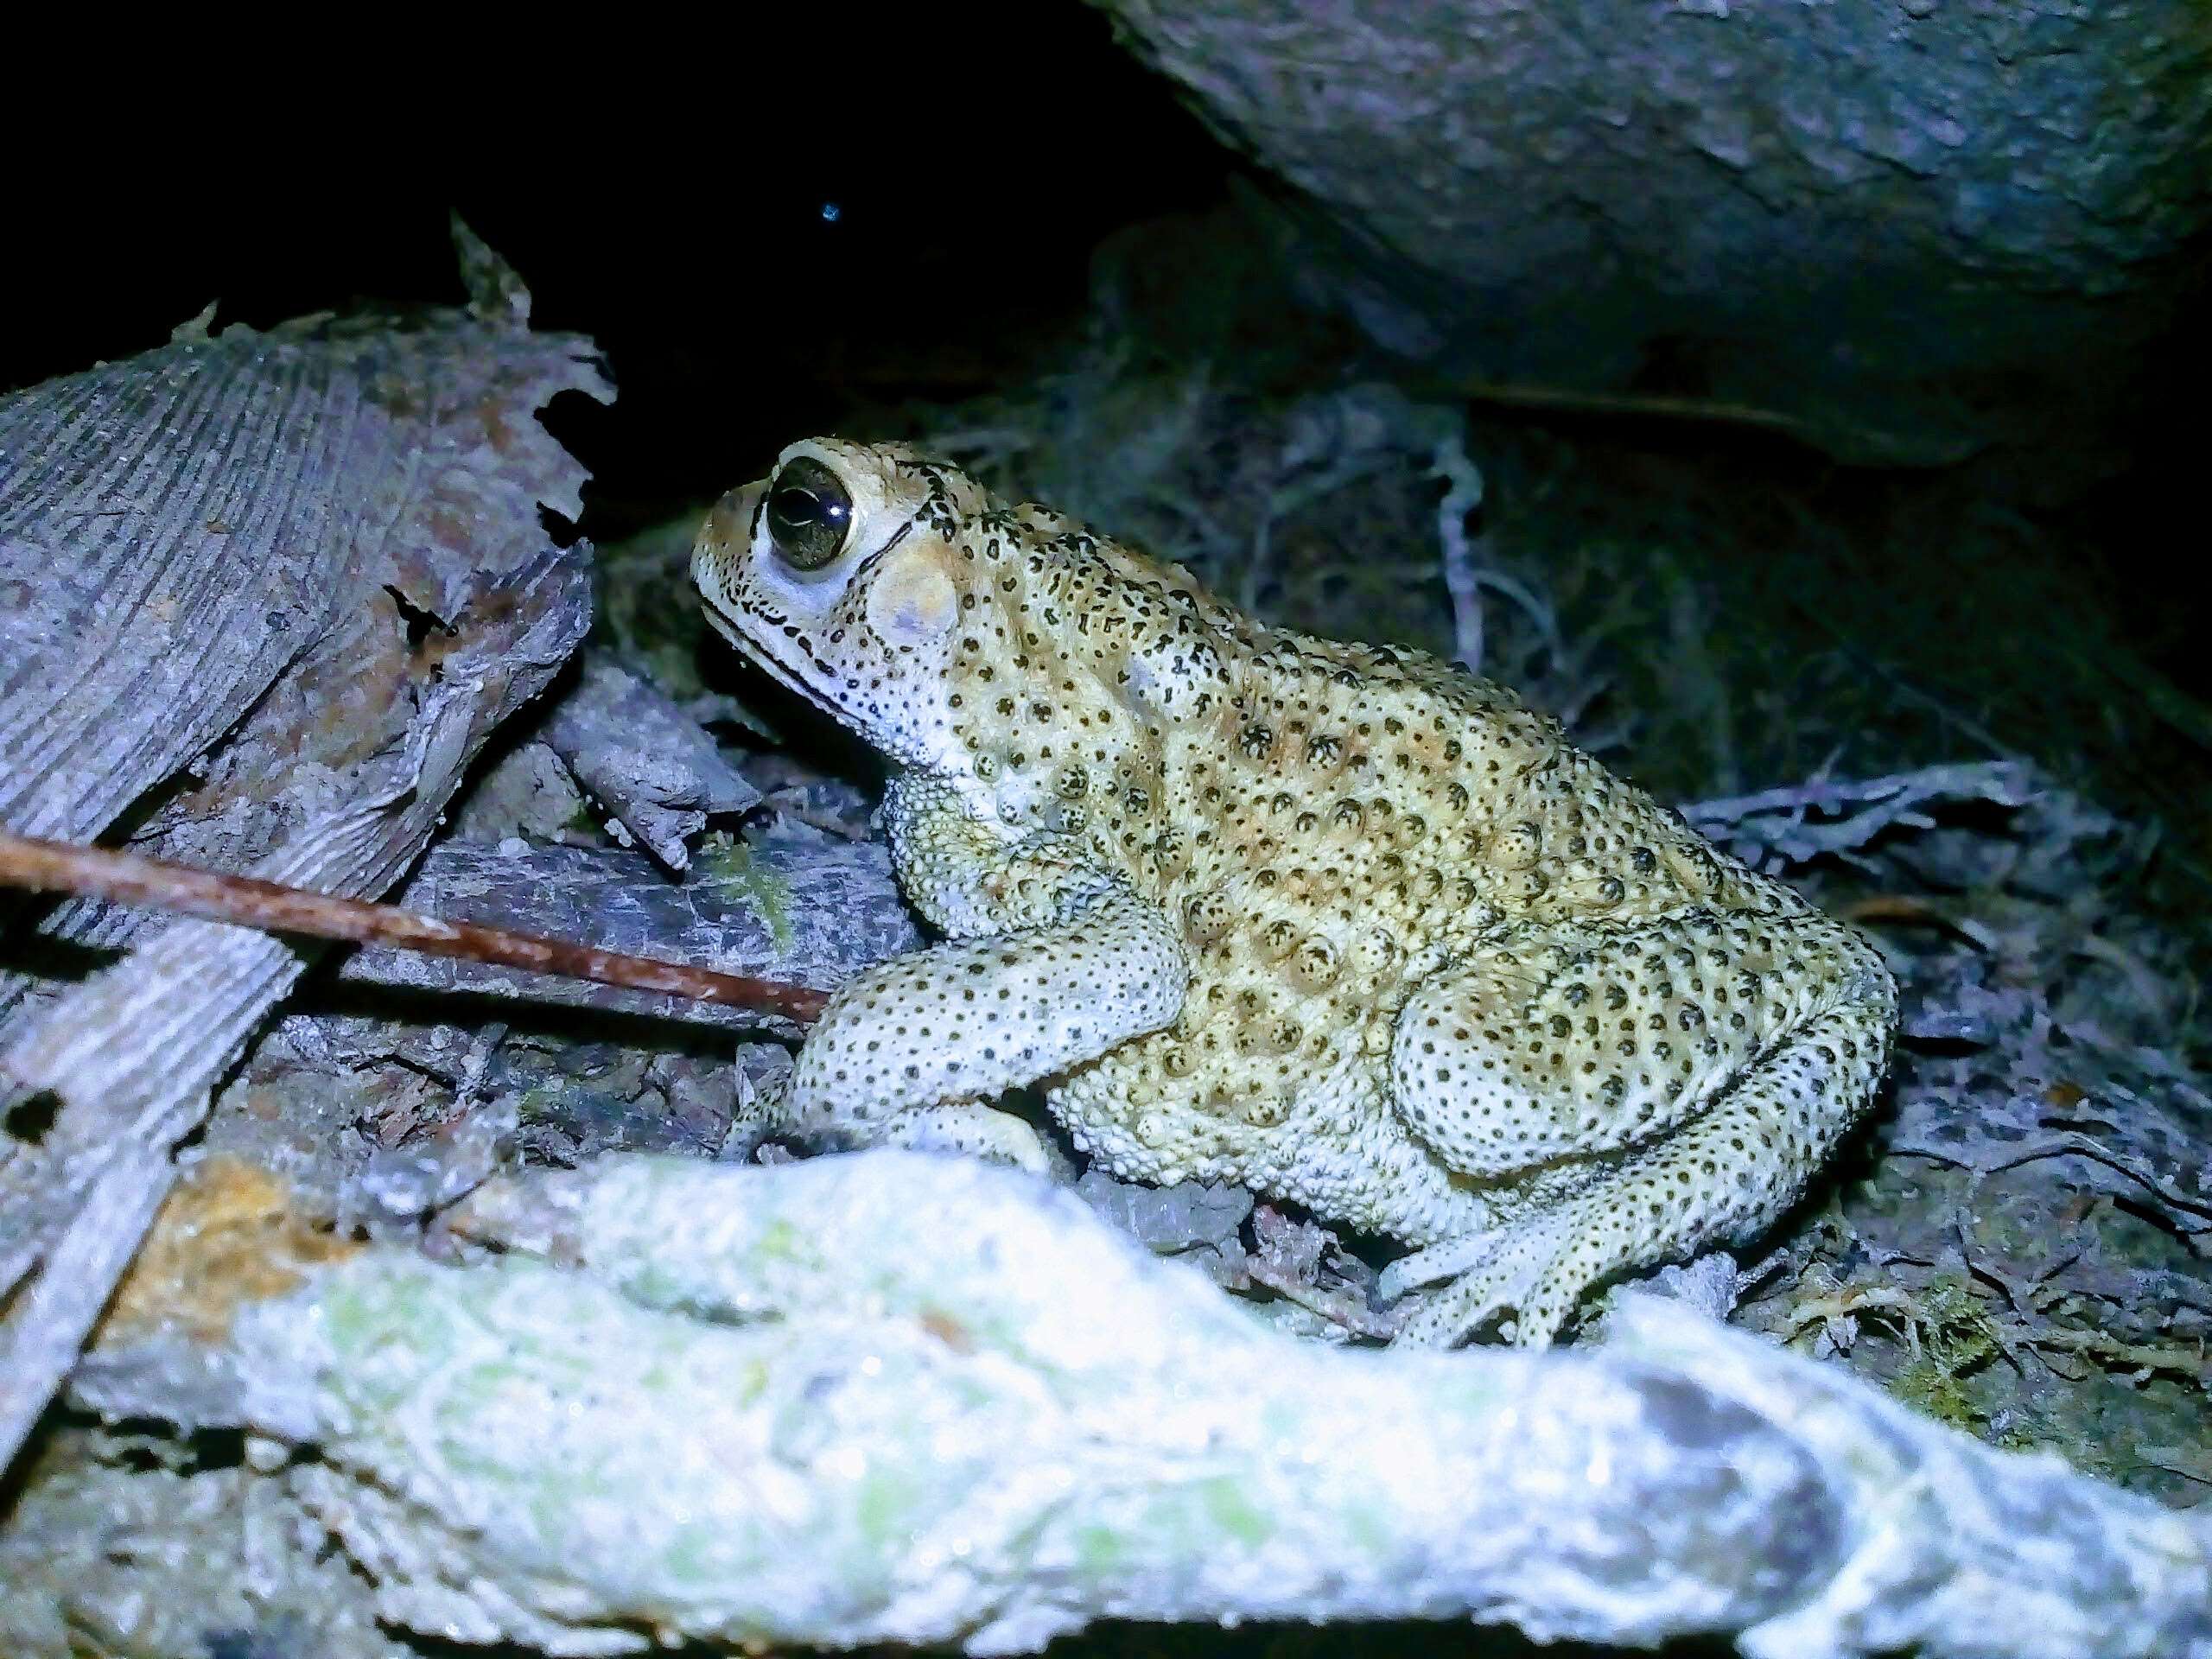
x=906, y=1050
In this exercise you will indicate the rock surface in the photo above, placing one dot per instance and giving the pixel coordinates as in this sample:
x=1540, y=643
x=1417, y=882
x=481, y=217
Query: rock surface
x=1901, y=231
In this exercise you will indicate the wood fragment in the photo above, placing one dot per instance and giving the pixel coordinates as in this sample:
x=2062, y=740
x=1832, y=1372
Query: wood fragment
x=1897, y=449
x=124, y=878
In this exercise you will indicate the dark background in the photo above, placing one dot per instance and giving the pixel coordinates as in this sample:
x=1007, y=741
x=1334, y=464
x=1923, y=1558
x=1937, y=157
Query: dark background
x=666, y=193
x=670, y=202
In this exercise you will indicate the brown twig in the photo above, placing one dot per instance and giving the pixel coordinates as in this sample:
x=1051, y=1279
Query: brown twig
x=1572, y=400
x=245, y=901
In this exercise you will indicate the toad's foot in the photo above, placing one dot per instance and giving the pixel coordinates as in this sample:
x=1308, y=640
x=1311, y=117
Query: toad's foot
x=1530, y=1269
x=966, y=1129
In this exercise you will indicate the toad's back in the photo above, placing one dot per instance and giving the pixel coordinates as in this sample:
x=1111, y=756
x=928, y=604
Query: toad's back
x=1336, y=823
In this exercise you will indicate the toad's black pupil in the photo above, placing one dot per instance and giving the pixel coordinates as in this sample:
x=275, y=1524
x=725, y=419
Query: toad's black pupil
x=797, y=509
x=809, y=513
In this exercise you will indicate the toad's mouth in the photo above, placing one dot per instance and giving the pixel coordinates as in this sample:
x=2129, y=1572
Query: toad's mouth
x=764, y=634
x=756, y=649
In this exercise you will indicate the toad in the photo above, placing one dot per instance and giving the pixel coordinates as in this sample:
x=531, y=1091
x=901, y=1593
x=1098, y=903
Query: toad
x=1340, y=922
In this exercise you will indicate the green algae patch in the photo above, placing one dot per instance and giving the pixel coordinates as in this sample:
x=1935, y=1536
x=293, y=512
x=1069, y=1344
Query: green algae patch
x=1230, y=1509
x=1101, y=1553
x=727, y=864
x=887, y=1505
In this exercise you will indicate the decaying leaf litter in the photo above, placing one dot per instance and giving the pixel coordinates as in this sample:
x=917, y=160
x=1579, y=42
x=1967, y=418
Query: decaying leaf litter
x=2018, y=1247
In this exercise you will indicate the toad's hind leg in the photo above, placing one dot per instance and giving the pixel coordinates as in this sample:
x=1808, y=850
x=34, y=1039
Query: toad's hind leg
x=1648, y=1092
x=1561, y=1043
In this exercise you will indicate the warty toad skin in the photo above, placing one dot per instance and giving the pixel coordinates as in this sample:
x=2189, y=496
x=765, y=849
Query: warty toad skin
x=1336, y=921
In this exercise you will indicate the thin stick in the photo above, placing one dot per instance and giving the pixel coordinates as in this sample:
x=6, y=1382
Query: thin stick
x=1657, y=406
x=246, y=901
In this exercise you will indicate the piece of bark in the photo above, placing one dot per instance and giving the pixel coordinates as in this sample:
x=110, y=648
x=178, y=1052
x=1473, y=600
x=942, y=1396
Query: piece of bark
x=437, y=472
x=644, y=760
x=323, y=546
x=177, y=528
x=169, y=528
x=803, y=913
x=308, y=913
x=132, y=1053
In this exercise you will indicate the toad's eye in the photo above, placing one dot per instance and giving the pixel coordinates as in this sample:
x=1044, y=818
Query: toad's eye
x=809, y=514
